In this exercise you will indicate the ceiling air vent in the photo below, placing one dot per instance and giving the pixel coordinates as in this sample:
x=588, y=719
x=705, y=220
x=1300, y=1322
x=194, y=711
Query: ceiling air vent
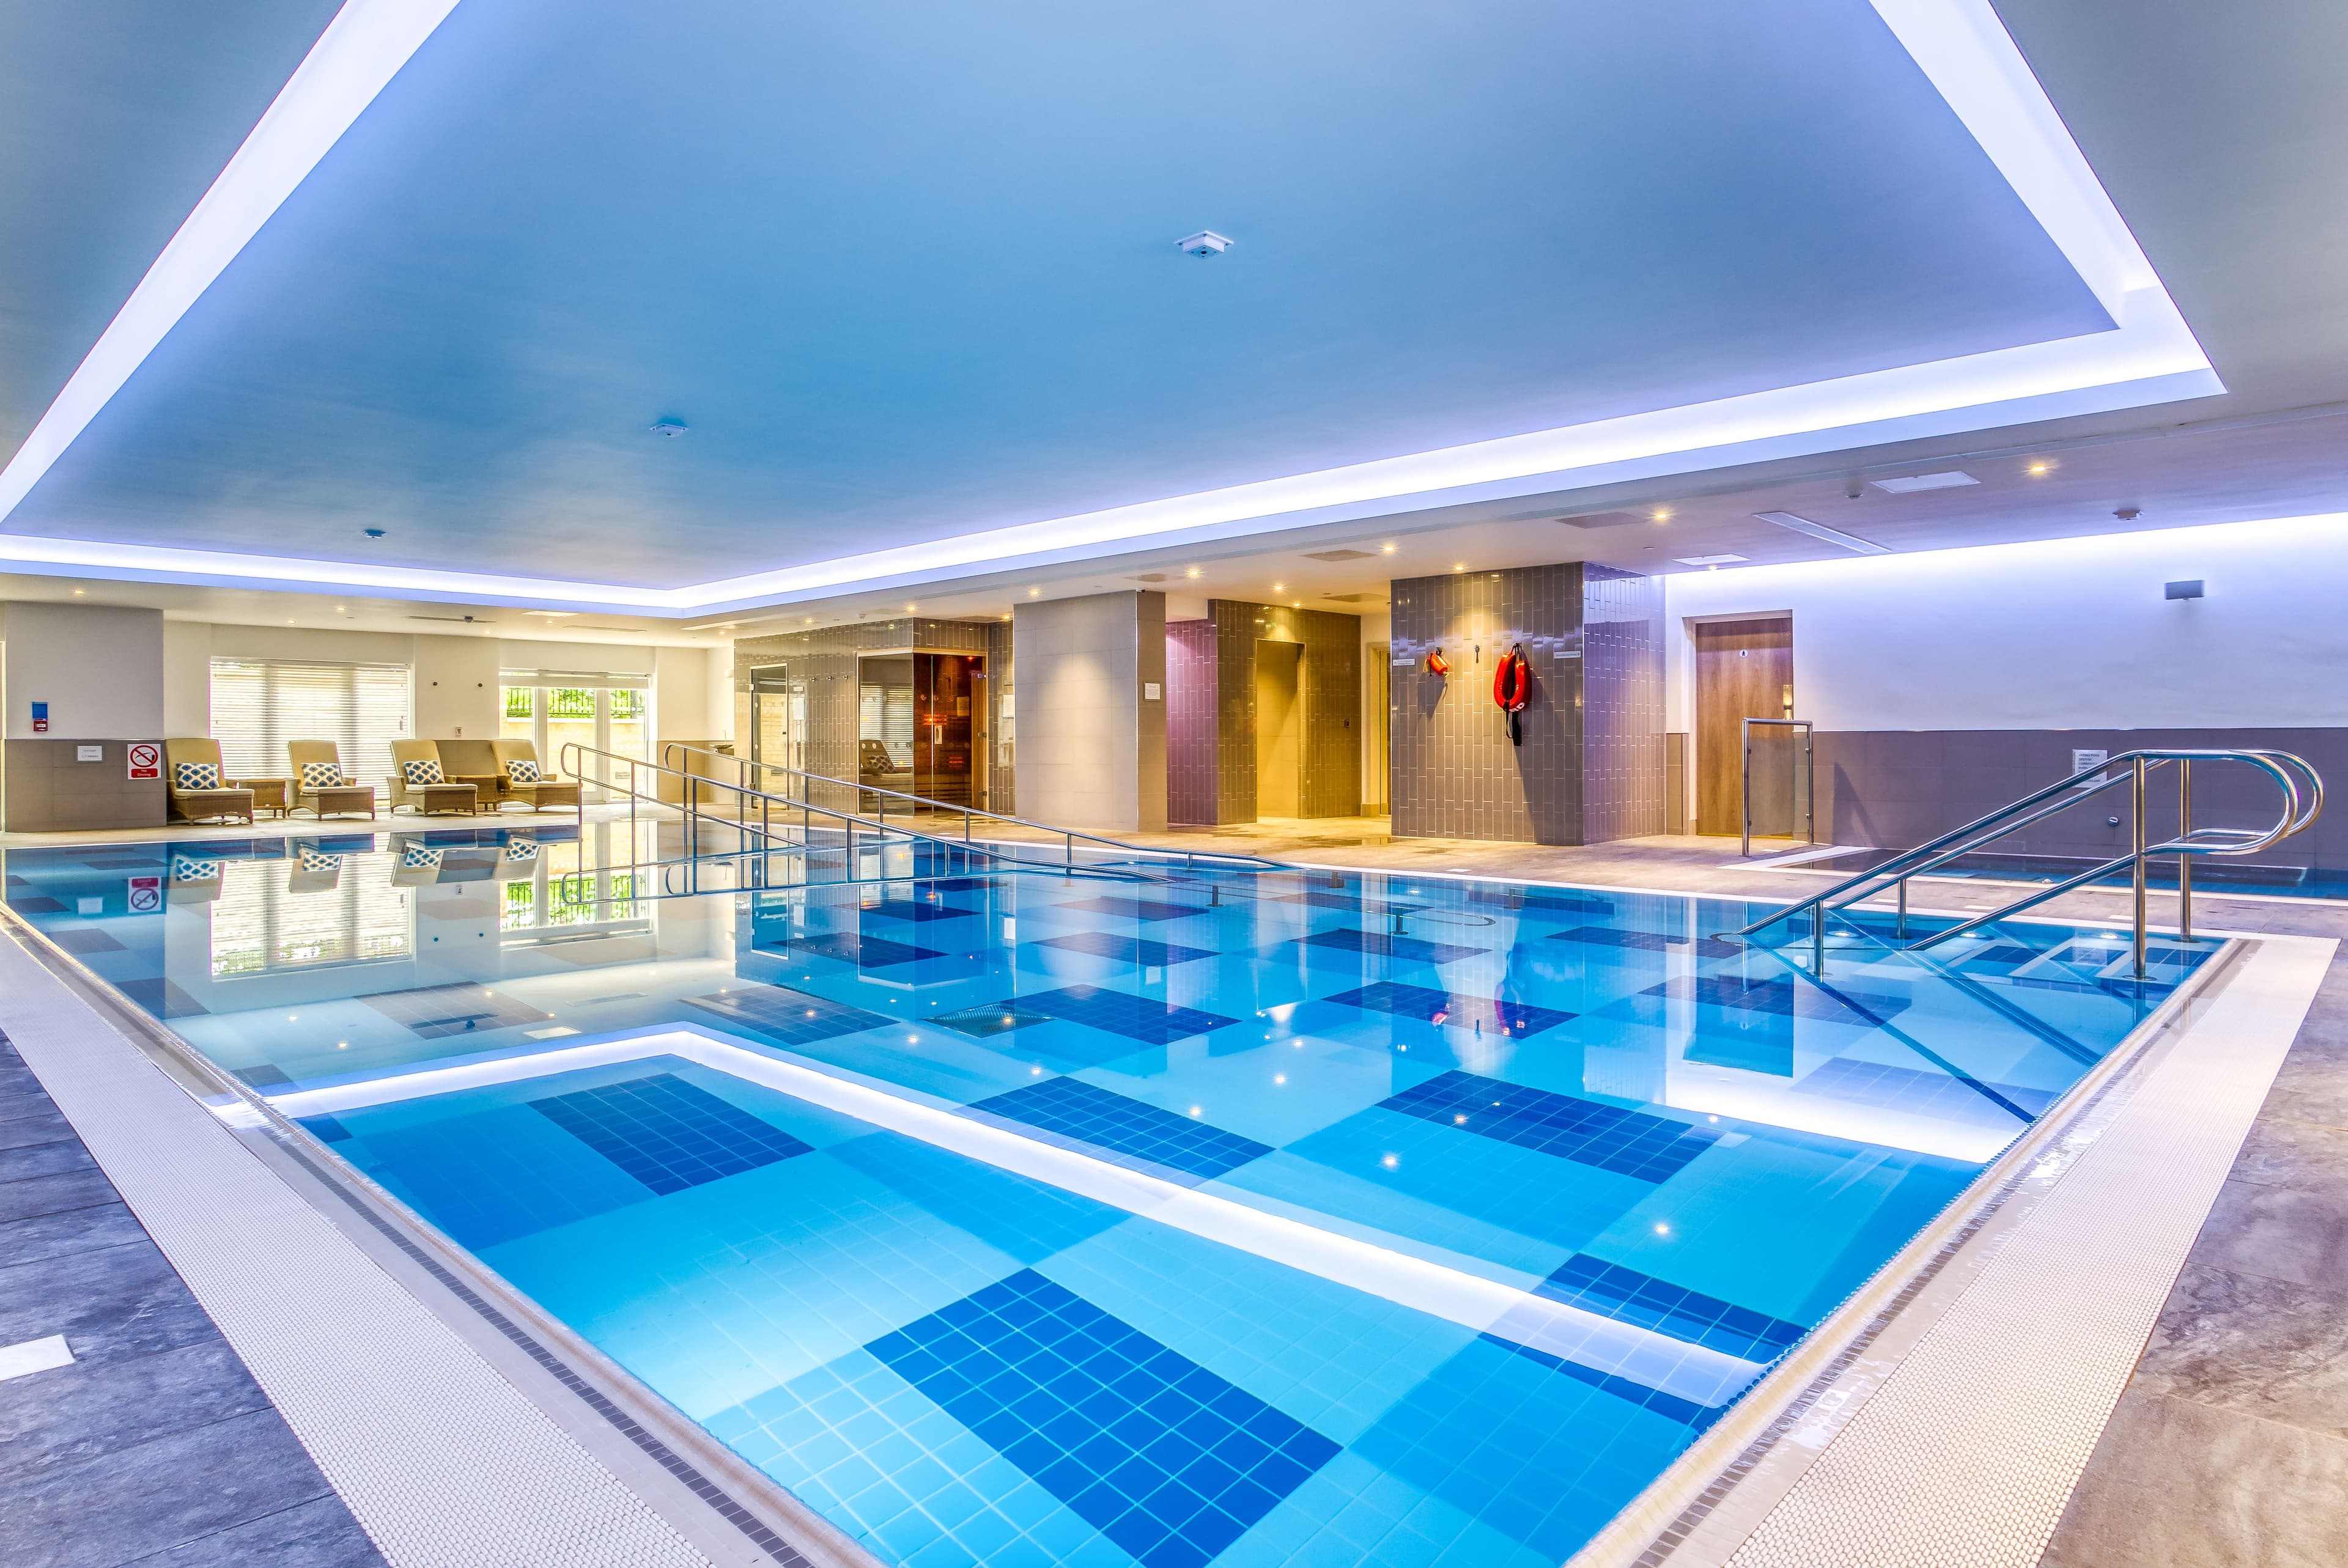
x=1600, y=520
x=1151, y=576
x=1906, y=484
x=1355, y=597
x=1339, y=555
x=457, y=619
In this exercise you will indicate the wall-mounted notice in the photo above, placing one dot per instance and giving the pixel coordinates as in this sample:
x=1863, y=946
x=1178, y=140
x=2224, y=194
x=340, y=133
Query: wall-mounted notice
x=90, y=753
x=145, y=758
x=2083, y=759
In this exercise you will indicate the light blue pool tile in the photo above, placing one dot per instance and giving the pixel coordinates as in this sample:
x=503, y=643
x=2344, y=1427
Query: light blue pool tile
x=1332, y=1356
x=1746, y=1220
x=742, y=1290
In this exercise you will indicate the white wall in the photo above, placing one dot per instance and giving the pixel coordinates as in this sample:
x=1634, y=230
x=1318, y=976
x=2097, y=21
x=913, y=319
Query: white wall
x=2062, y=634
x=1085, y=757
x=98, y=667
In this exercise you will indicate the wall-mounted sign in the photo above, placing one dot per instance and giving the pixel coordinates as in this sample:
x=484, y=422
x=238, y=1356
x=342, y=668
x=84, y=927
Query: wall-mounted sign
x=90, y=753
x=145, y=894
x=145, y=758
x=1149, y=690
x=2083, y=759
x=40, y=718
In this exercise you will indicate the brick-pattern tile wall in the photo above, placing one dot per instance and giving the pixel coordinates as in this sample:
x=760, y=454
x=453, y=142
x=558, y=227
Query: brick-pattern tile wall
x=1590, y=636
x=1191, y=749
x=1624, y=771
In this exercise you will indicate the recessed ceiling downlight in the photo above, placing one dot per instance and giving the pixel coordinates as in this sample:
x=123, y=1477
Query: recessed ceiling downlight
x=669, y=427
x=1205, y=243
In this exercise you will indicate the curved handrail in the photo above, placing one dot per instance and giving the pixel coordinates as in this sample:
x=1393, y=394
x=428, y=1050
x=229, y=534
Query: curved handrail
x=968, y=812
x=2301, y=806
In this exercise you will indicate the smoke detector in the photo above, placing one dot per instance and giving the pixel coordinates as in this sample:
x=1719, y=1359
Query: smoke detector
x=669, y=427
x=1205, y=243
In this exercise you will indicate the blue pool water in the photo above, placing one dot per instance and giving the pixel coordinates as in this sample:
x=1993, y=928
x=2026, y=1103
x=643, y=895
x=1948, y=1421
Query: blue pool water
x=1013, y=1218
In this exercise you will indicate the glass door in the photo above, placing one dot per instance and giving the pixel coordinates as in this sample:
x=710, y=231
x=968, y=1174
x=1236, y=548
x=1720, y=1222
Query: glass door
x=616, y=719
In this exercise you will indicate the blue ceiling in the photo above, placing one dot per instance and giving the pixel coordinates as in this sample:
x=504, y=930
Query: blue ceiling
x=906, y=269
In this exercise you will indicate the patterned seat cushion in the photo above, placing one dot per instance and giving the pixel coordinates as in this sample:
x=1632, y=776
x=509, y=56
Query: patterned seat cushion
x=423, y=771
x=196, y=775
x=321, y=775
x=195, y=870
x=521, y=770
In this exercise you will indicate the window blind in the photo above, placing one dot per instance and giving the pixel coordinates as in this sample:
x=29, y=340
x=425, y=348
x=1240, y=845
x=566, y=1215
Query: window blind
x=258, y=705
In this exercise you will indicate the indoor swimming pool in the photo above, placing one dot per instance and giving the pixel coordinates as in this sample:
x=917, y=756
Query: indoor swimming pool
x=1173, y=1217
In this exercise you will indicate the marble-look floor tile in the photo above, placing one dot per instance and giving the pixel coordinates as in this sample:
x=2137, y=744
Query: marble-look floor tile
x=2302, y=1156
x=317, y=1535
x=28, y=1122
x=54, y=1195
x=2259, y=1346
x=63, y=1234
x=2281, y=1232
x=2176, y=1484
x=50, y=1159
x=70, y=1415
x=187, y=1486
x=110, y=1304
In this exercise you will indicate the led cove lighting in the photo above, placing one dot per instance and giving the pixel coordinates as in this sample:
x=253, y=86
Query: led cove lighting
x=2149, y=356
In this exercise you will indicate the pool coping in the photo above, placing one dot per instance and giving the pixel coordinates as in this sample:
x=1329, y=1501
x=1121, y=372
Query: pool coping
x=436, y=1268
x=722, y=1509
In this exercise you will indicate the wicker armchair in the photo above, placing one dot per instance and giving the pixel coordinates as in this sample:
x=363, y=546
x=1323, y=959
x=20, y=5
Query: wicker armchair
x=538, y=793
x=345, y=796
x=224, y=798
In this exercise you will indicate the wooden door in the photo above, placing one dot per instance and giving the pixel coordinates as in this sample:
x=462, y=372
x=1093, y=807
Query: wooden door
x=1744, y=670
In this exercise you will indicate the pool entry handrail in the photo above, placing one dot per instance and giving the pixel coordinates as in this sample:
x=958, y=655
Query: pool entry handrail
x=1069, y=836
x=2301, y=790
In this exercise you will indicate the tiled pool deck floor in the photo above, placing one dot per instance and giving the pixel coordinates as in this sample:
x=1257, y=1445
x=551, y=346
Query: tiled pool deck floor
x=2232, y=1408
x=154, y=1445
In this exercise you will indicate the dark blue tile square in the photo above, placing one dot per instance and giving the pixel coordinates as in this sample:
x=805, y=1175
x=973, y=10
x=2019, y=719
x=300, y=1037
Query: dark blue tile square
x=1121, y=1013
x=918, y=910
x=1129, y=949
x=1106, y=1120
x=864, y=952
x=1495, y=1015
x=1378, y=944
x=1135, y=908
x=1781, y=999
x=795, y=1018
x=1170, y=1506
x=1614, y=1291
x=1628, y=1142
x=667, y=1133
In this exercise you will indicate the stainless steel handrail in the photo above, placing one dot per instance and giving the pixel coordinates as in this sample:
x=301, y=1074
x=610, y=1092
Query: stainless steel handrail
x=769, y=803
x=764, y=826
x=1068, y=834
x=2302, y=795
x=1810, y=786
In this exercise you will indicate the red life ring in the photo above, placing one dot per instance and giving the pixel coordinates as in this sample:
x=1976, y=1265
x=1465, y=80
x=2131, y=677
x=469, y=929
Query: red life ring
x=1512, y=683
x=1436, y=664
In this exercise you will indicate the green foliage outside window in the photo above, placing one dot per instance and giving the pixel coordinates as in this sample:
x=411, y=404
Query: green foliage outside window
x=570, y=703
x=519, y=701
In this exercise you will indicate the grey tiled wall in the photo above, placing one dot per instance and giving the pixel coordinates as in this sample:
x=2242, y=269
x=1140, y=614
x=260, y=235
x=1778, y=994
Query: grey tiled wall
x=1897, y=788
x=1591, y=766
x=1191, y=777
x=1624, y=774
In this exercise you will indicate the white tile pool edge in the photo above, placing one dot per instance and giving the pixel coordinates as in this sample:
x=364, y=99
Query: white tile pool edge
x=1957, y=1434
x=444, y=1458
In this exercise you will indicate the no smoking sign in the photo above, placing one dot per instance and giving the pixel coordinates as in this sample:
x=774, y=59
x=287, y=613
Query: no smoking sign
x=146, y=760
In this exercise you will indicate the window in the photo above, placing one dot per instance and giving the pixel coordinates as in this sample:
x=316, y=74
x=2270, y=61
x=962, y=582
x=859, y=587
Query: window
x=596, y=712
x=260, y=704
